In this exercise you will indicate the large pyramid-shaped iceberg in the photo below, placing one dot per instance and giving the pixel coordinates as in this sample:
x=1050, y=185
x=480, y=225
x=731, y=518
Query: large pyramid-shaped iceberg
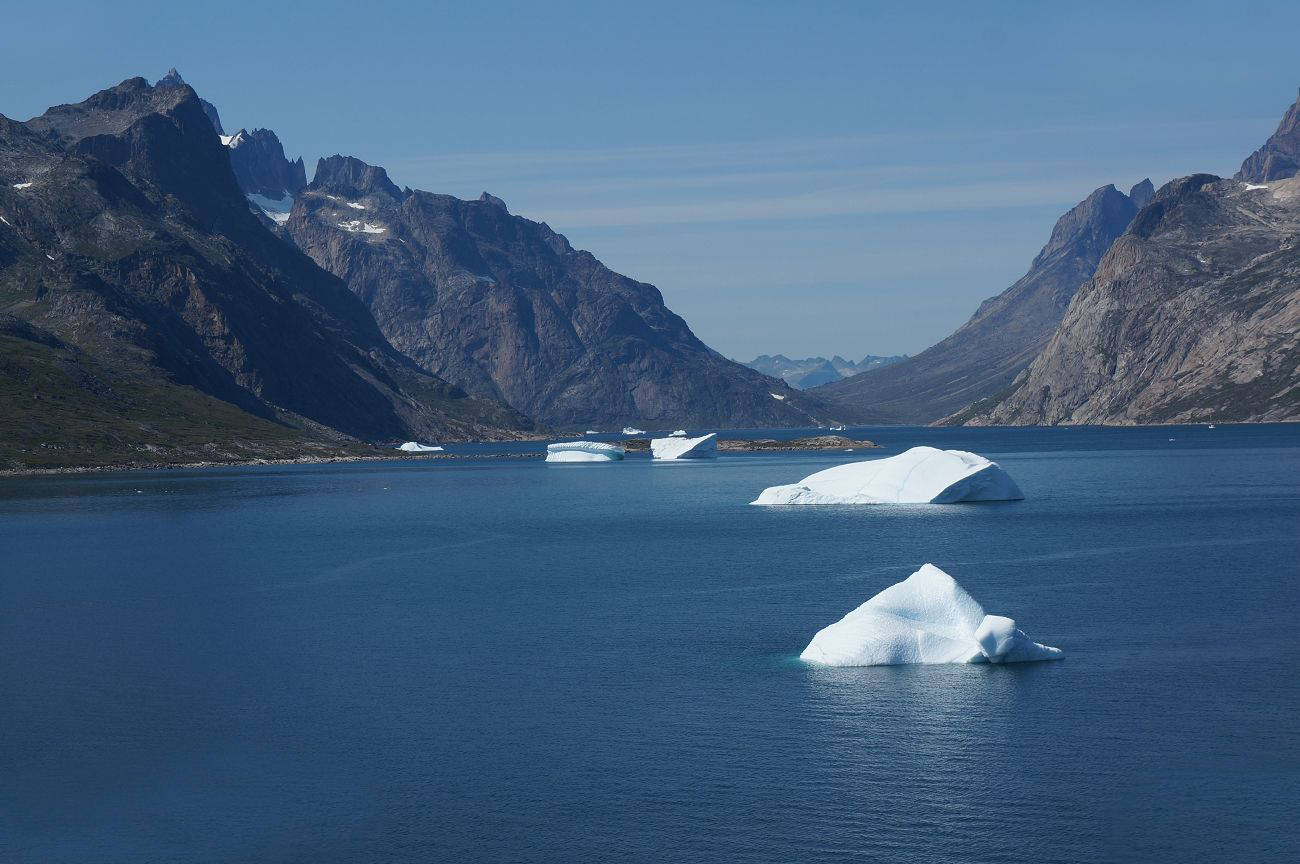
x=583, y=451
x=926, y=618
x=922, y=475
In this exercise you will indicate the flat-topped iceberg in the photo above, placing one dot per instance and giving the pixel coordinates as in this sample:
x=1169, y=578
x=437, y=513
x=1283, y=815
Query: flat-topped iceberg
x=628, y=430
x=922, y=475
x=416, y=447
x=583, y=451
x=678, y=447
x=926, y=618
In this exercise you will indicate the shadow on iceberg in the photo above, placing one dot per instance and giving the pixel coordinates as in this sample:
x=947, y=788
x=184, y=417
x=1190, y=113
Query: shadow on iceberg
x=921, y=475
x=926, y=618
x=583, y=451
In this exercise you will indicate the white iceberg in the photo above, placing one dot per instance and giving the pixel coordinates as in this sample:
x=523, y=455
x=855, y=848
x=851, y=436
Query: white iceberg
x=679, y=447
x=921, y=475
x=416, y=447
x=926, y=618
x=628, y=430
x=680, y=433
x=592, y=432
x=583, y=451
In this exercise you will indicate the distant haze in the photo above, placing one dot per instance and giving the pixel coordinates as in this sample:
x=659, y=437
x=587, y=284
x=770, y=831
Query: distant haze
x=841, y=179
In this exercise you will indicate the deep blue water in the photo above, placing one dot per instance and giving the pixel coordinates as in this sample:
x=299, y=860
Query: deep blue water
x=502, y=660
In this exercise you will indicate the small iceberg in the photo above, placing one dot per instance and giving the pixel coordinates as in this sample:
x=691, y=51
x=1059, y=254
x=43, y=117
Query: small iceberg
x=926, y=618
x=583, y=451
x=677, y=446
x=593, y=432
x=628, y=430
x=922, y=475
x=416, y=447
x=680, y=433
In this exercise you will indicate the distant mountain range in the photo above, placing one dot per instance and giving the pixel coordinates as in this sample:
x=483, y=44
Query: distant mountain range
x=812, y=371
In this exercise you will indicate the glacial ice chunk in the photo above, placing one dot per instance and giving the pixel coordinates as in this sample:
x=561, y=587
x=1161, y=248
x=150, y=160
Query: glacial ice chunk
x=921, y=475
x=583, y=451
x=628, y=430
x=926, y=618
x=679, y=447
x=416, y=447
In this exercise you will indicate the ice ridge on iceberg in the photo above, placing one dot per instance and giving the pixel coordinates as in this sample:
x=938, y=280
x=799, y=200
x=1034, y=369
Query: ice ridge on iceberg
x=583, y=451
x=416, y=447
x=921, y=475
x=678, y=447
x=926, y=618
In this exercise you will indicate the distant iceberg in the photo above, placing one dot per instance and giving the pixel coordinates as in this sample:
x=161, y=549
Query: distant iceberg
x=414, y=447
x=926, y=618
x=679, y=447
x=922, y=475
x=583, y=451
x=593, y=432
x=680, y=433
x=628, y=430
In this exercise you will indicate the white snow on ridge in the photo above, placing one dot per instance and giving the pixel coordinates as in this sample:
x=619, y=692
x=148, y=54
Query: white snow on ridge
x=6, y=221
x=777, y=396
x=356, y=226
x=679, y=447
x=1250, y=186
x=226, y=139
x=22, y=185
x=921, y=475
x=416, y=447
x=926, y=618
x=355, y=206
x=583, y=451
x=276, y=210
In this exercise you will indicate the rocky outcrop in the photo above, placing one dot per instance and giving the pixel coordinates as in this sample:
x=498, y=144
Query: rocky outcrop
x=1007, y=331
x=1193, y=315
x=125, y=236
x=261, y=168
x=1279, y=158
x=507, y=308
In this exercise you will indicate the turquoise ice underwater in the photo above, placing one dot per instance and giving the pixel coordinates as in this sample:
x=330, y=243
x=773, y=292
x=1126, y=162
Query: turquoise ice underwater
x=502, y=660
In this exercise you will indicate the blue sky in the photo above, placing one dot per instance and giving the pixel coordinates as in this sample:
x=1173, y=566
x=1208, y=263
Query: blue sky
x=813, y=178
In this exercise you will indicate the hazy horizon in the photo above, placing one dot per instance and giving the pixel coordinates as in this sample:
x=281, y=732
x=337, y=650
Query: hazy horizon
x=780, y=205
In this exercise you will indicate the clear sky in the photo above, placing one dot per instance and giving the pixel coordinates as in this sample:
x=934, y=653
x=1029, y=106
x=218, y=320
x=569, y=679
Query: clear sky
x=805, y=178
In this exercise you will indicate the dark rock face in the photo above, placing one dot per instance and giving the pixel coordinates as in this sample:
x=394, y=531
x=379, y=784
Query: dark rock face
x=1193, y=315
x=1279, y=158
x=130, y=243
x=1142, y=193
x=261, y=168
x=506, y=308
x=1004, y=335
x=815, y=371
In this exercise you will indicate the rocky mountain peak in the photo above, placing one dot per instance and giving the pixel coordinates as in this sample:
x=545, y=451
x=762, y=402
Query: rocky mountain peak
x=489, y=198
x=1279, y=158
x=1141, y=193
x=1090, y=226
x=350, y=176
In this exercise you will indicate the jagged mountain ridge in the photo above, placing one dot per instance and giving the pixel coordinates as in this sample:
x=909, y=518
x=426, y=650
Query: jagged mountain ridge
x=126, y=238
x=505, y=307
x=813, y=371
x=1006, y=332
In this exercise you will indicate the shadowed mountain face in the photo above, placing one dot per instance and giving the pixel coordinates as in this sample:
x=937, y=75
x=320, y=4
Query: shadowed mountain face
x=1005, y=333
x=1279, y=158
x=126, y=240
x=506, y=308
x=1193, y=315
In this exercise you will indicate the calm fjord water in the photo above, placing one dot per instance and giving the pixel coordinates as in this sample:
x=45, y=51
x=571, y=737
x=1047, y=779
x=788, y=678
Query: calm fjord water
x=502, y=660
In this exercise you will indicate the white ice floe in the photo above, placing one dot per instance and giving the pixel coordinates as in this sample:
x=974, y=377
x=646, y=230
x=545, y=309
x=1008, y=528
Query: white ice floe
x=22, y=185
x=355, y=206
x=356, y=226
x=777, y=396
x=628, y=430
x=1250, y=186
x=416, y=447
x=583, y=451
x=921, y=475
x=679, y=447
x=680, y=433
x=926, y=618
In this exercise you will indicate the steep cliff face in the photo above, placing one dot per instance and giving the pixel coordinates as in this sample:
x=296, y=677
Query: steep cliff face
x=1007, y=331
x=506, y=308
x=1193, y=315
x=126, y=239
x=1279, y=158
